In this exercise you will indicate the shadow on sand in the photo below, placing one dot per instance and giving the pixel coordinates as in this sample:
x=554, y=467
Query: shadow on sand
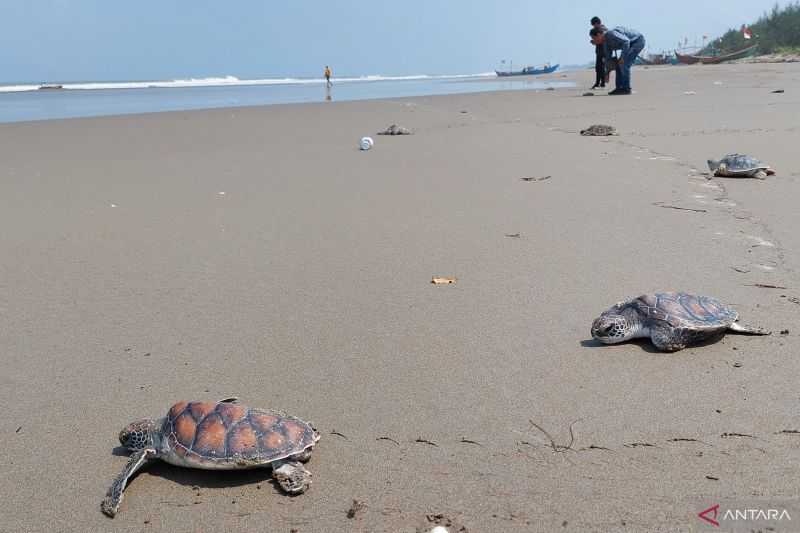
x=647, y=346
x=194, y=477
x=644, y=344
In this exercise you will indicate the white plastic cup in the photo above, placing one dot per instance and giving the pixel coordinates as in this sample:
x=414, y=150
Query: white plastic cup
x=367, y=143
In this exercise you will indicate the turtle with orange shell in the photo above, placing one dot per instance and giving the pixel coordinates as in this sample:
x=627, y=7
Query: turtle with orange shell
x=220, y=435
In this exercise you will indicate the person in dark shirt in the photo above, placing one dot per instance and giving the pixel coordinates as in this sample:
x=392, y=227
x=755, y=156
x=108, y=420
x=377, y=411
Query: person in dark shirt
x=600, y=58
x=629, y=43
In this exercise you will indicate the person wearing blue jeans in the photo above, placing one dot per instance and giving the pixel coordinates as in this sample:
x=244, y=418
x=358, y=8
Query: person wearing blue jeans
x=630, y=44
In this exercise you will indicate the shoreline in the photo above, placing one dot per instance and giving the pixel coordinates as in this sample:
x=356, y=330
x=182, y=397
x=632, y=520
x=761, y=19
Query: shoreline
x=67, y=102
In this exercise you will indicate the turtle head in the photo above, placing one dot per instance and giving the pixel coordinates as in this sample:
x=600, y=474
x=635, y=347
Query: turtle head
x=612, y=328
x=713, y=165
x=139, y=435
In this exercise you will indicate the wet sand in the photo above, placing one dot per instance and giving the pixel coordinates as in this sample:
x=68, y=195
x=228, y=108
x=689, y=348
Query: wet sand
x=128, y=281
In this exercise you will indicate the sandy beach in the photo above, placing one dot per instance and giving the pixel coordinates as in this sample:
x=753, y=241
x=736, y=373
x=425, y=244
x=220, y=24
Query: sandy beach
x=256, y=252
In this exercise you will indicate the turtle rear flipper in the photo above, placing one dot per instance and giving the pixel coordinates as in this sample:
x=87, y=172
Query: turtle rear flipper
x=747, y=330
x=291, y=476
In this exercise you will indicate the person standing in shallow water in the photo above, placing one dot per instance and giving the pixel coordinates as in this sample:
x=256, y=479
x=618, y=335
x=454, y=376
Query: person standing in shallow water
x=630, y=44
x=328, y=76
x=600, y=58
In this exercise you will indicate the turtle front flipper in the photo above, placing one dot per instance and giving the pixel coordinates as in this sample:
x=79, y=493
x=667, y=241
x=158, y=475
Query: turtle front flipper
x=111, y=503
x=747, y=330
x=667, y=338
x=291, y=476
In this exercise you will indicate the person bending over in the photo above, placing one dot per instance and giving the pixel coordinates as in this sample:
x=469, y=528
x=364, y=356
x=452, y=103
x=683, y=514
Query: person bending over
x=629, y=43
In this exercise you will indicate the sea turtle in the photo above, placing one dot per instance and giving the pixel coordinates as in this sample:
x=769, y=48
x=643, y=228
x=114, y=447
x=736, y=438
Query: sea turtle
x=672, y=320
x=394, y=129
x=740, y=166
x=599, y=130
x=220, y=435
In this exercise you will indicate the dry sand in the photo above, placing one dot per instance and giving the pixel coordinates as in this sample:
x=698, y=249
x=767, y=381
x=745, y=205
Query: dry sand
x=306, y=287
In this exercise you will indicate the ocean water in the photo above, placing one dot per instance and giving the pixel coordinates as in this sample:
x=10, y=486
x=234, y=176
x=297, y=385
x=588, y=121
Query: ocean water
x=27, y=102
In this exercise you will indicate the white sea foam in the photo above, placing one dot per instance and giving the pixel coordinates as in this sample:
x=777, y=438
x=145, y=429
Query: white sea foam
x=18, y=88
x=233, y=81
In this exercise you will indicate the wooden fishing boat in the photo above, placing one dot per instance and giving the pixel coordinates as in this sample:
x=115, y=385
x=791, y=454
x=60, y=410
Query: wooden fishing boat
x=686, y=59
x=739, y=54
x=653, y=59
x=712, y=60
x=528, y=71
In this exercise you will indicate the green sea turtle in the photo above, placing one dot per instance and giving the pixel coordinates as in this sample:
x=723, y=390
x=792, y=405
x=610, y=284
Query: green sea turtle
x=394, y=129
x=599, y=130
x=220, y=435
x=740, y=166
x=672, y=320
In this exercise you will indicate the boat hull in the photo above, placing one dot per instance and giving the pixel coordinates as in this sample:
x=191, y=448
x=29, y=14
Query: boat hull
x=687, y=59
x=739, y=54
x=713, y=60
x=524, y=72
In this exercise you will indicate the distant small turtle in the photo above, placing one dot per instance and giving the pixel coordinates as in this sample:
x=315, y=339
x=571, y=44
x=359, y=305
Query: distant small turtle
x=672, y=320
x=394, y=129
x=599, y=130
x=740, y=166
x=219, y=436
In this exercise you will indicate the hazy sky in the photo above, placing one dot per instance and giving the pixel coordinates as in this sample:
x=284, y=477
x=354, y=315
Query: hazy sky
x=68, y=40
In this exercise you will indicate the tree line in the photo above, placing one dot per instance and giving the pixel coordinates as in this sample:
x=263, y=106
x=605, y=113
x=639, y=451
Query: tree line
x=775, y=32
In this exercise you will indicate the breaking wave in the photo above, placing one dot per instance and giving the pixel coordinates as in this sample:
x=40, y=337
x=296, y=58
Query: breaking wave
x=226, y=82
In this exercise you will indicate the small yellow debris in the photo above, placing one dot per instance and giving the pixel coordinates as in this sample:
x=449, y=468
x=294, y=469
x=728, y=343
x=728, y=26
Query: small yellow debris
x=443, y=281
